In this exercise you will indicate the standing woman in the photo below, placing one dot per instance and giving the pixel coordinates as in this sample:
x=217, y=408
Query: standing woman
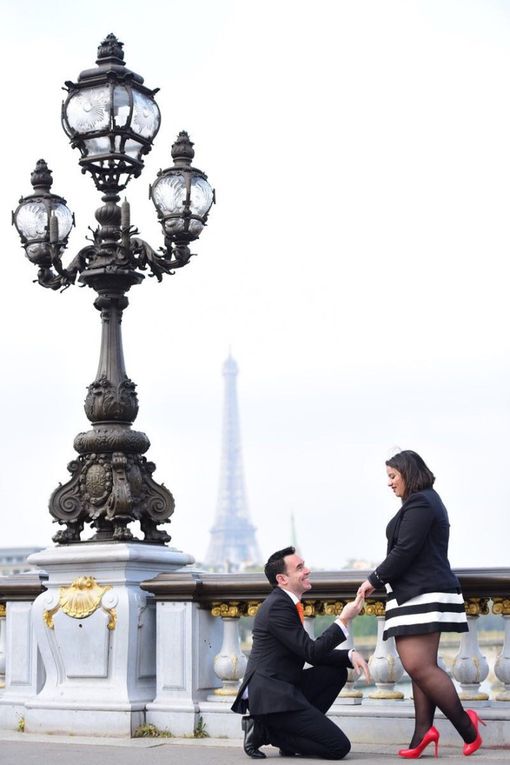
x=424, y=599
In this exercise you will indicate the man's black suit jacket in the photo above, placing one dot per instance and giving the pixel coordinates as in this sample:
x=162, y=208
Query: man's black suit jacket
x=281, y=646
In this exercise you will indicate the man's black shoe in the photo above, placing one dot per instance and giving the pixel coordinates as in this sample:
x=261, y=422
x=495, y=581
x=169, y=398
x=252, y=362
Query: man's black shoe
x=253, y=738
x=285, y=753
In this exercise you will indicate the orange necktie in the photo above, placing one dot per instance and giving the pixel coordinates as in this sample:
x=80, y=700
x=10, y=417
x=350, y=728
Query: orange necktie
x=301, y=611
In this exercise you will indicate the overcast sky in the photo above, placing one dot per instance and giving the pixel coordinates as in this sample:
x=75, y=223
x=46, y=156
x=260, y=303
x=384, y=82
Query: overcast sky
x=356, y=263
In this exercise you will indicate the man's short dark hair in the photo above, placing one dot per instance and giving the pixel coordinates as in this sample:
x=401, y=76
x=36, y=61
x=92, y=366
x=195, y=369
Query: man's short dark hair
x=276, y=564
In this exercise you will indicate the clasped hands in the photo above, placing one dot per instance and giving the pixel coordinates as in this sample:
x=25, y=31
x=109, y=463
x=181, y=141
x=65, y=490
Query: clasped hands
x=352, y=609
x=365, y=589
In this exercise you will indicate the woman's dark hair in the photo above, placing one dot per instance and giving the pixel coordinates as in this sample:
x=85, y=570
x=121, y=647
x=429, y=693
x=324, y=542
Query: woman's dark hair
x=276, y=564
x=417, y=476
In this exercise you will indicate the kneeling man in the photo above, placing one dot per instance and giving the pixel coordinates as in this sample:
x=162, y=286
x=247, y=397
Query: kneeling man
x=287, y=703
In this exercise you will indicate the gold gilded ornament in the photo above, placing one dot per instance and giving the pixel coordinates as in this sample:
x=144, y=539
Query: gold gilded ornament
x=374, y=608
x=332, y=608
x=48, y=616
x=81, y=599
x=253, y=607
x=501, y=606
x=3, y=610
x=309, y=608
x=477, y=606
x=233, y=609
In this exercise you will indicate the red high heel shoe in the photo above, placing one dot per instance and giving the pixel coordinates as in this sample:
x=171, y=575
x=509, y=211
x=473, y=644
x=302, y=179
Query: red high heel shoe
x=476, y=744
x=432, y=735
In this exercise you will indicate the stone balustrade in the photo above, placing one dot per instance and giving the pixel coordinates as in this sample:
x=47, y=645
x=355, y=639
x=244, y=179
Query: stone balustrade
x=199, y=660
x=230, y=597
x=3, y=612
x=24, y=674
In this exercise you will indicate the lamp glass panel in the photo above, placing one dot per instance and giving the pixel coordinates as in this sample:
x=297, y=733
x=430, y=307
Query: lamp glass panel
x=133, y=148
x=35, y=251
x=169, y=194
x=32, y=220
x=97, y=146
x=192, y=226
x=146, y=116
x=89, y=109
x=201, y=196
x=195, y=227
x=174, y=225
x=121, y=105
x=65, y=220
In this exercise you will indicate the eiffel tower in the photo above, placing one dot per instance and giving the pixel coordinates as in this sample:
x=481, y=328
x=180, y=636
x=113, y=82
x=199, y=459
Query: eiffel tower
x=233, y=545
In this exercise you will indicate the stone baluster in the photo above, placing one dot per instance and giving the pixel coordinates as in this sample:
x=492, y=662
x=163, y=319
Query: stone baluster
x=443, y=665
x=385, y=665
x=470, y=667
x=2, y=645
x=230, y=663
x=348, y=694
x=309, y=612
x=502, y=665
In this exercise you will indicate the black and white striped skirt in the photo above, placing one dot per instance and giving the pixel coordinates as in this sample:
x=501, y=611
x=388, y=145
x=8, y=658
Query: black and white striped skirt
x=430, y=612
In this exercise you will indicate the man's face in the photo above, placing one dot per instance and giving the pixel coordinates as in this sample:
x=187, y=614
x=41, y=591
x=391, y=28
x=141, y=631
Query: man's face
x=296, y=577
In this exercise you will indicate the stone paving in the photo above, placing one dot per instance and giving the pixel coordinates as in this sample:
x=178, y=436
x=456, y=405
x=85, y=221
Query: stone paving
x=28, y=749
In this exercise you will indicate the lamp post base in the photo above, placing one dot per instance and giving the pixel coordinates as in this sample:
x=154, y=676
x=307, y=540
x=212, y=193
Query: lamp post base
x=96, y=634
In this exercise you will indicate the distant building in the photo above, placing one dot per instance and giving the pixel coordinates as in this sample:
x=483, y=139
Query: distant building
x=13, y=560
x=233, y=544
x=359, y=564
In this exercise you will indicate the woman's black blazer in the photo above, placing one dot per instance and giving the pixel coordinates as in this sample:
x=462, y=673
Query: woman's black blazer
x=417, y=554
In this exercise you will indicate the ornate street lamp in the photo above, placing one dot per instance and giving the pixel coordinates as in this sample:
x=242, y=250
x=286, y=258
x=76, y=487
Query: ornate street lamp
x=43, y=221
x=112, y=118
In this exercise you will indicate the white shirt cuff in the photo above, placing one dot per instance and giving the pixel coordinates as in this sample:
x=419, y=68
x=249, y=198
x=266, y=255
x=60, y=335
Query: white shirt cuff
x=342, y=626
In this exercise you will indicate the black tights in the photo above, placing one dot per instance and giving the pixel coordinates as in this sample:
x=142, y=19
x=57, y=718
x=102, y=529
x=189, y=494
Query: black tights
x=432, y=687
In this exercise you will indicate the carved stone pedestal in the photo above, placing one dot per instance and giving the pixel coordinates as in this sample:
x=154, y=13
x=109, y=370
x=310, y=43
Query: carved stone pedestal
x=24, y=674
x=96, y=634
x=188, y=639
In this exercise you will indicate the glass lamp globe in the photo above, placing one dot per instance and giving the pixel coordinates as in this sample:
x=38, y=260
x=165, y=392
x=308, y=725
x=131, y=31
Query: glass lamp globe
x=42, y=218
x=111, y=117
x=182, y=195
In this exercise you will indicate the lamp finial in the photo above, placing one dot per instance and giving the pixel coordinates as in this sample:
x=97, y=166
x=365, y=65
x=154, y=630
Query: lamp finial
x=182, y=150
x=41, y=176
x=110, y=50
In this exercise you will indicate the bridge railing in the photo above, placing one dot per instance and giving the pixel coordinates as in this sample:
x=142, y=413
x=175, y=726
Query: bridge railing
x=19, y=668
x=220, y=601
x=200, y=661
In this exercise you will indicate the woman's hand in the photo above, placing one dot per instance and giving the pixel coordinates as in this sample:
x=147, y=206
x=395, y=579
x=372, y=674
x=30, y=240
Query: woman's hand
x=365, y=589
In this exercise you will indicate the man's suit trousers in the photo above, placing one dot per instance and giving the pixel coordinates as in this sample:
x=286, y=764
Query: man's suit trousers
x=308, y=731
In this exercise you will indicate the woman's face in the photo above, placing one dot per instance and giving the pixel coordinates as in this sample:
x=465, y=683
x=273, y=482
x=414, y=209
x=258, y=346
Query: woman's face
x=396, y=481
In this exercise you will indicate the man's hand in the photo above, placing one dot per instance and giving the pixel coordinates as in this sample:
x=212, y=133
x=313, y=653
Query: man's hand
x=365, y=589
x=352, y=609
x=360, y=665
